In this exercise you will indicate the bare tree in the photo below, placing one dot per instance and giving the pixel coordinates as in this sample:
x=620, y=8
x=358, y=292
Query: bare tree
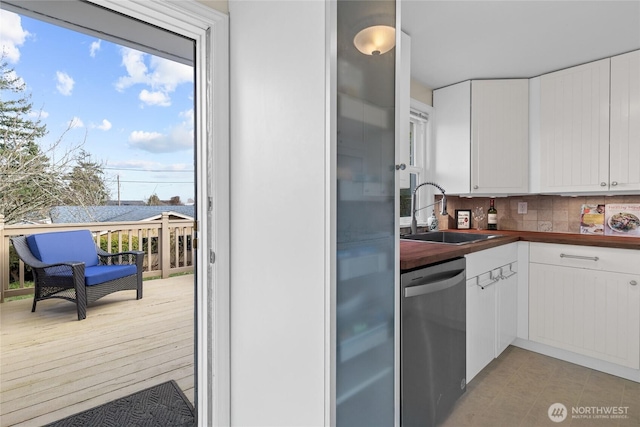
x=32, y=178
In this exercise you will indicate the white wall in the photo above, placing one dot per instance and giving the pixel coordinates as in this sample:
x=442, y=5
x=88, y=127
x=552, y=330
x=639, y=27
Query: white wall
x=278, y=175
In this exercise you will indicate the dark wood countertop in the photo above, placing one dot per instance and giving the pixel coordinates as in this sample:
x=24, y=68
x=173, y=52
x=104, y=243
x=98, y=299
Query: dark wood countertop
x=416, y=254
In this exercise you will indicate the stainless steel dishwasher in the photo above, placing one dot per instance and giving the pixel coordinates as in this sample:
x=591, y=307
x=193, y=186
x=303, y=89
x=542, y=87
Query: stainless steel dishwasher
x=432, y=342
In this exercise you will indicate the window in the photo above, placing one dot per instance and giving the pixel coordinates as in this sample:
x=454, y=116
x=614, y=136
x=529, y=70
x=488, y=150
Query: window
x=420, y=124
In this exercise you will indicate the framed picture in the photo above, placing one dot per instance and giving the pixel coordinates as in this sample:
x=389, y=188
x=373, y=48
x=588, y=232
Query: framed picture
x=463, y=219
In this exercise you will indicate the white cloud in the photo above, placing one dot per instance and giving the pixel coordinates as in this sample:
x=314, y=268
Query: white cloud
x=12, y=76
x=95, y=46
x=160, y=75
x=178, y=138
x=38, y=114
x=133, y=62
x=155, y=98
x=105, y=125
x=167, y=74
x=75, y=123
x=65, y=83
x=12, y=35
x=149, y=165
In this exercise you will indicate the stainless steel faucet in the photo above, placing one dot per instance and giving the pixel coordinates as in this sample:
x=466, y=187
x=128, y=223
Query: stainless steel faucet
x=414, y=209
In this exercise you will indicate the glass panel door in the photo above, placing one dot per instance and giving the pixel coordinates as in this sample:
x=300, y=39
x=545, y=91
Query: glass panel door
x=365, y=220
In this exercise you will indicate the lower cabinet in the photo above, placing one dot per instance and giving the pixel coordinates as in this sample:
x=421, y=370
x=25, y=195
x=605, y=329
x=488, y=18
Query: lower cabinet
x=586, y=300
x=507, y=313
x=491, y=305
x=481, y=321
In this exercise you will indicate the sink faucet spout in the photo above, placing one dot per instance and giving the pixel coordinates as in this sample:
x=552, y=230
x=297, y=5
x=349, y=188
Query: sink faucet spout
x=415, y=209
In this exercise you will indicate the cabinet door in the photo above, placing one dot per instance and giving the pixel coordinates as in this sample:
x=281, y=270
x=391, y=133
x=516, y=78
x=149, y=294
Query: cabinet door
x=481, y=325
x=574, y=129
x=500, y=136
x=594, y=313
x=625, y=122
x=451, y=154
x=507, y=300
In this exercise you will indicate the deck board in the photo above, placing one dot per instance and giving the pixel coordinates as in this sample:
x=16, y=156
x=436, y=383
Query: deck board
x=53, y=366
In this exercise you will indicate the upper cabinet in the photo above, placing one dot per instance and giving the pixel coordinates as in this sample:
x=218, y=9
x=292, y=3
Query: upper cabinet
x=624, y=137
x=574, y=129
x=500, y=136
x=481, y=144
x=589, y=127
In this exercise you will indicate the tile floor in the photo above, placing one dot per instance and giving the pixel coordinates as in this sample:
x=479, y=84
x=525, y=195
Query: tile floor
x=518, y=388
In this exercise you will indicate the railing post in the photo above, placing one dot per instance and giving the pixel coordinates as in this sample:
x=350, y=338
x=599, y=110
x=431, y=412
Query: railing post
x=4, y=261
x=165, y=246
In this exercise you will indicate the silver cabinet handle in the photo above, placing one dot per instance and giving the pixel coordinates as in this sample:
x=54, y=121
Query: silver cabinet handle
x=401, y=166
x=475, y=187
x=633, y=283
x=590, y=258
x=614, y=183
x=511, y=273
x=603, y=184
x=490, y=282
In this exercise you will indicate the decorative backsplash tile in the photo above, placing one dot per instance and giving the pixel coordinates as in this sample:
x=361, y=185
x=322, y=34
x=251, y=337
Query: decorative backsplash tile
x=558, y=214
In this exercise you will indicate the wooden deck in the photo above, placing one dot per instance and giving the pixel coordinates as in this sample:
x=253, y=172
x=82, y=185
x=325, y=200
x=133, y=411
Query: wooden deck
x=53, y=366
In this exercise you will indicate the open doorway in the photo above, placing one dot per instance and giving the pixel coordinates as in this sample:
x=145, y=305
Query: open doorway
x=206, y=33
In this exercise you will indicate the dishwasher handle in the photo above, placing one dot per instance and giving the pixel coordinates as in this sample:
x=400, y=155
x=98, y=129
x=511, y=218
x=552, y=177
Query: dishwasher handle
x=439, y=285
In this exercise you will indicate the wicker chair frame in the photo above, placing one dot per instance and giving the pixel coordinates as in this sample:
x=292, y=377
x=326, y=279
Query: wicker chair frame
x=66, y=280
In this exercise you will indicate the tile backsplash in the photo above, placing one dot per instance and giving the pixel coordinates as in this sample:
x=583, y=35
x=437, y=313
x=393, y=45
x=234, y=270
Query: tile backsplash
x=558, y=214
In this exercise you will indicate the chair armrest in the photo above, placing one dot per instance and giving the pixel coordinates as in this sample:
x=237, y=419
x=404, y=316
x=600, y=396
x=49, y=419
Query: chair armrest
x=120, y=257
x=34, y=263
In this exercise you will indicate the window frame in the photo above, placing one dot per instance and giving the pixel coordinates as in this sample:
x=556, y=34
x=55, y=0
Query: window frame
x=422, y=117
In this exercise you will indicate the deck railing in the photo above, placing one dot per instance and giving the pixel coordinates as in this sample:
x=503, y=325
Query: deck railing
x=168, y=244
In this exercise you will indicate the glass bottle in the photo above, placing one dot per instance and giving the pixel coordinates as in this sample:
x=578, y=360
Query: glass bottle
x=492, y=216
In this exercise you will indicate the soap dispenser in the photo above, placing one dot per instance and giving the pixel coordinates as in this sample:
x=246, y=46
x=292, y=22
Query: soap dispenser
x=432, y=222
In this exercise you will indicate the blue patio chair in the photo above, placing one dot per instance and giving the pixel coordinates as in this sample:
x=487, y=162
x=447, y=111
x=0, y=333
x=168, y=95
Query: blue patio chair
x=69, y=265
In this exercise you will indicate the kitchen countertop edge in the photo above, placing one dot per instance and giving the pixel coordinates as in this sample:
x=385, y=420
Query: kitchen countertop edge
x=415, y=254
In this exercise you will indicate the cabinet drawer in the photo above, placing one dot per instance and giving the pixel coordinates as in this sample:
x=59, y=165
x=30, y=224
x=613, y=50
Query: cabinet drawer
x=587, y=257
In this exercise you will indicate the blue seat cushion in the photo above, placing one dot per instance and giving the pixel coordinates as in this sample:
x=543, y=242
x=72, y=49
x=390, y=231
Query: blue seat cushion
x=64, y=246
x=101, y=273
x=104, y=273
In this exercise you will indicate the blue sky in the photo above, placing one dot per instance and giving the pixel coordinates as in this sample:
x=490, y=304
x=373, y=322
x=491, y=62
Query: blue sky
x=134, y=111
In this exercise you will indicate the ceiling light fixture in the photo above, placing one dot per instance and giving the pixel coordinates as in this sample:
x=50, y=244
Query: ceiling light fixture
x=376, y=40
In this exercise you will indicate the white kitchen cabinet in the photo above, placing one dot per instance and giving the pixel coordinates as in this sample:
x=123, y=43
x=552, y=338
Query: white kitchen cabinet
x=499, y=136
x=481, y=142
x=574, y=128
x=491, y=305
x=450, y=162
x=481, y=324
x=586, y=300
x=589, y=127
x=624, y=139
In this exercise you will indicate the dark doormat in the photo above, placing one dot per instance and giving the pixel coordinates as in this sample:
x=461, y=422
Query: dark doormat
x=162, y=405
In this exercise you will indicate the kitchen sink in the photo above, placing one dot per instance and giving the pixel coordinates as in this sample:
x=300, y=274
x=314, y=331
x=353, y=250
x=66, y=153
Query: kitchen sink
x=449, y=237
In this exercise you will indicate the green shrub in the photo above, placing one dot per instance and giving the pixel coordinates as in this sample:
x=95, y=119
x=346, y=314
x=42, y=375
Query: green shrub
x=114, y=243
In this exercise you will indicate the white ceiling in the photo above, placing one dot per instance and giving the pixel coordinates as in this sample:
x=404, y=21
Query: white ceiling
x=453, y=41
